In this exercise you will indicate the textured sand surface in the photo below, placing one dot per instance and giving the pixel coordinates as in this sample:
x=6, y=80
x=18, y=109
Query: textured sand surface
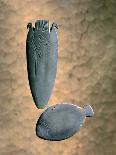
x=86, y=74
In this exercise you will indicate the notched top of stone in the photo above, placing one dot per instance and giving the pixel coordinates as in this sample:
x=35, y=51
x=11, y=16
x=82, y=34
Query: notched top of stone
x=39, y=25
x=43, y=25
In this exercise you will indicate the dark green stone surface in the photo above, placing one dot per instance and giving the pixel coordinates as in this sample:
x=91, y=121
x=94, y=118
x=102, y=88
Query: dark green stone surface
x=42, y=55
x=61, y=121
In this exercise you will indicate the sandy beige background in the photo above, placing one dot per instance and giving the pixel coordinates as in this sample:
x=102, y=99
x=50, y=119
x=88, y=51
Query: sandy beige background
x=86, y=74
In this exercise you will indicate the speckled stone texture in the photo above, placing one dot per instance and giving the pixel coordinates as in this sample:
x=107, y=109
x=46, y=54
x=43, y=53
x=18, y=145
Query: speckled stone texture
x=86, y=74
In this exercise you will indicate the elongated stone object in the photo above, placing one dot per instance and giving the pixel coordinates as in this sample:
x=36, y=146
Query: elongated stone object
x=62, y=121
x=42, y=55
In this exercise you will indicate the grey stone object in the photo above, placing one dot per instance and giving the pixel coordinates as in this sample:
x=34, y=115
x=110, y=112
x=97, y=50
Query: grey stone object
x=42, y=55
x=62, y=121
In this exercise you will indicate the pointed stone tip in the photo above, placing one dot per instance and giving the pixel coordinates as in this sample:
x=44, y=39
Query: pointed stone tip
x=29, y=25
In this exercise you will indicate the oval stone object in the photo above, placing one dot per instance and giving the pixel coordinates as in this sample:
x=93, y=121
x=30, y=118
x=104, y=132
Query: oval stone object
x=62, y=121
x=42, y=55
